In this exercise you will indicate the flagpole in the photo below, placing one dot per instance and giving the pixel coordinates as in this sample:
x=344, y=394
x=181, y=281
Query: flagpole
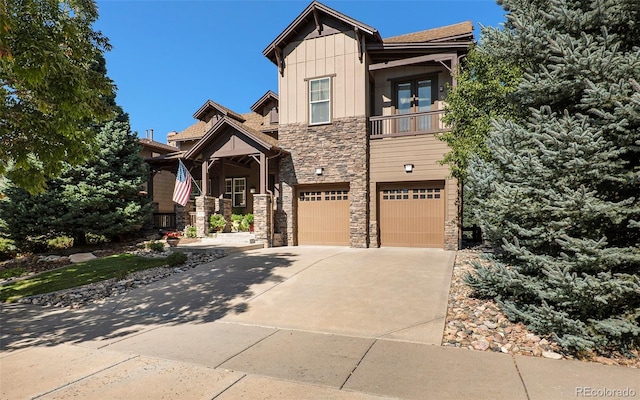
x=190, y=176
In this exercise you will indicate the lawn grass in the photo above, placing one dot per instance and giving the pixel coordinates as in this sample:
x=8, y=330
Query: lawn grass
x=77, y=275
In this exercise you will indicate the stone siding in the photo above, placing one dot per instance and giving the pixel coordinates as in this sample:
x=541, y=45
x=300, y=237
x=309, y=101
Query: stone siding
x=341, y=149
x=262, y=223
x=207, y=206
x=183, y=216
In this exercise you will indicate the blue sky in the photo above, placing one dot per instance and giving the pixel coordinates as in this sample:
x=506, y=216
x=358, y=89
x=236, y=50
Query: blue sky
x=169, y=57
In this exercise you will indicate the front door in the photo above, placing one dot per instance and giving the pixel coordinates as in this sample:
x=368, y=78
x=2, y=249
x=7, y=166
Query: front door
x=414, y=96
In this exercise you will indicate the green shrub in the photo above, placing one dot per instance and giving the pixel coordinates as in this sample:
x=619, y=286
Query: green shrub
x=60, y=242
x=92, y=238
x=217, y=222
x=190, y=231
x=7, y=249
x=246, y=222
x=177, y=258
x=154, y=245
x=249, y=218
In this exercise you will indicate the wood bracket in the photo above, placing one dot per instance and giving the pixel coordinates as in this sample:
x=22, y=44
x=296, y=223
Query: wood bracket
x=360, y=40
x=279, y=61
x=317, y=20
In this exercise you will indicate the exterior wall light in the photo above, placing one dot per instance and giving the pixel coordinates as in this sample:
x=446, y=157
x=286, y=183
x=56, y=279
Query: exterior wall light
x=408, y=168
x=252, y=190
x=319, y=171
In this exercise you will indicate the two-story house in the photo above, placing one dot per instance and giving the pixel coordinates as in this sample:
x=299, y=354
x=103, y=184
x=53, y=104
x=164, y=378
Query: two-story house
x=346, y=153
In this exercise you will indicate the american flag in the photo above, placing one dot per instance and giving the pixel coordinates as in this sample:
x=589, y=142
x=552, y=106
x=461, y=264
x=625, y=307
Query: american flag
x=182, y=189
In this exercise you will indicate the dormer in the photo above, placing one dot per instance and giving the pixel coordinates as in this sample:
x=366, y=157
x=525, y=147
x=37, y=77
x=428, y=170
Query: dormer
x=267, y=107
x=211, y=112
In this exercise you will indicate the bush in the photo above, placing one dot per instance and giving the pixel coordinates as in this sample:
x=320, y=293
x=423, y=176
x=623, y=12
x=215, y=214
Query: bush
x=154, y=245
x=217, y=222
x=7, y=249
x=60, y=242
x=190, y=231
x=177, y=258
x=92, y=238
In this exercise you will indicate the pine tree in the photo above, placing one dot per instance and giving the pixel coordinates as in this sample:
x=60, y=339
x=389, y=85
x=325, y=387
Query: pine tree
x=561, y=191
x=101, y=197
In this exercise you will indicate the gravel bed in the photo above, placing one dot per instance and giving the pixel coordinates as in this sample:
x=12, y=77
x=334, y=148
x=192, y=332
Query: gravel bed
x=479, y=325
x=95, y=292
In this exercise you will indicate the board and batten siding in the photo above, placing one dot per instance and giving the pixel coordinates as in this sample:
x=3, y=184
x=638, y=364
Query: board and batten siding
x=163, y=183
x=333, y=55
x=387, y=159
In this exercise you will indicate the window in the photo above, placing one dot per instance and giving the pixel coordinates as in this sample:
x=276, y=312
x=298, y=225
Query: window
x=320, y=101
x=415, y=96
x=236, y=189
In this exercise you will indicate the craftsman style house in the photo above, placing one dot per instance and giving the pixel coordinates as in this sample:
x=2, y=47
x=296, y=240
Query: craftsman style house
x=344, y=154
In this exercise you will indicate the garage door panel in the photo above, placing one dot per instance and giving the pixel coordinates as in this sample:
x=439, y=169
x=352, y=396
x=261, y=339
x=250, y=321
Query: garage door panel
x=412, y=216
x=323, y=216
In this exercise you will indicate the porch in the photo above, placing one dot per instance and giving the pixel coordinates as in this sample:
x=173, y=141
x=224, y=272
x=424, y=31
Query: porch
x=235, y=170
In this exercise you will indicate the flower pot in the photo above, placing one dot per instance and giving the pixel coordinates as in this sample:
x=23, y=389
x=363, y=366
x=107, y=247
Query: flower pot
x=173, y=241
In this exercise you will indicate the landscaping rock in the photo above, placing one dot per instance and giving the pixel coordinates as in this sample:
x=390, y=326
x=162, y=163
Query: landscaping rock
x=87, y=294
x=478, y=324
x=81, y=257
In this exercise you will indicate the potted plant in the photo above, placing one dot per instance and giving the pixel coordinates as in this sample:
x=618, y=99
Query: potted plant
x=173, y=238
x=217, y=222
x=248, y=222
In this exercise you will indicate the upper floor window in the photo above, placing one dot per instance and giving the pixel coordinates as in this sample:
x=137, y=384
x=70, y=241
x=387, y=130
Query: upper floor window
x=320, y=101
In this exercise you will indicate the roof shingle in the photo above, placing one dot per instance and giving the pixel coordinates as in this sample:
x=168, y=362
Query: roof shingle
x=444, y=32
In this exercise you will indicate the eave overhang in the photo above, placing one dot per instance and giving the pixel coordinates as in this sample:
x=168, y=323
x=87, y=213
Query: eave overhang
x=310, y=14
x=264, y=142
x=209, y=106
x=270, y=95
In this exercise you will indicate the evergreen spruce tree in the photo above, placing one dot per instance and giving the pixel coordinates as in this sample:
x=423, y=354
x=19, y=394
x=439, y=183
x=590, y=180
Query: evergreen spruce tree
x=101, y=197
x=561, y=191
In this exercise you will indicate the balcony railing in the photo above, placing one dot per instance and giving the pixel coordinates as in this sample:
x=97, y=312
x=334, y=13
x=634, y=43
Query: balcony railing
x=407, y=124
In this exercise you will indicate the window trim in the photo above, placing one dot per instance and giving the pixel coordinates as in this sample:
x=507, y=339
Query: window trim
x=329, y=100
x=233, y=192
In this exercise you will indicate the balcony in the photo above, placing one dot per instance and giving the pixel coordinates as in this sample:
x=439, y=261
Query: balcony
x=417, y=123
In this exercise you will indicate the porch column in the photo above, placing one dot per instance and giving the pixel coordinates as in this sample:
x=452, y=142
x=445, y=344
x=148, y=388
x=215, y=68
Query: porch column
x=221, y=179
x=205, y=206
x=205, y=178
x=263, y=173
x=262, y=221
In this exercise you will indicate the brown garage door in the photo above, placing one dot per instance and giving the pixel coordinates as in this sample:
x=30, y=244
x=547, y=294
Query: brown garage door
x=323, y=216
x=412, y=215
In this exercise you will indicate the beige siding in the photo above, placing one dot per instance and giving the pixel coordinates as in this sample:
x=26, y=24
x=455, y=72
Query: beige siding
x=389, y=155
x=336, y=55
x=163, y=183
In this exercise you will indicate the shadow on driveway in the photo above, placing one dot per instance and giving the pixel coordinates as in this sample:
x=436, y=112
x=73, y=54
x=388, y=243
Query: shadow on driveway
x=203, y=294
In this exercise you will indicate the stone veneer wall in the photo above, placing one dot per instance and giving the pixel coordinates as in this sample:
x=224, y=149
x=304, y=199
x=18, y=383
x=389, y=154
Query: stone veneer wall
x=205, y=207
x=183, y=218
x=341, y=149
x=262, y=223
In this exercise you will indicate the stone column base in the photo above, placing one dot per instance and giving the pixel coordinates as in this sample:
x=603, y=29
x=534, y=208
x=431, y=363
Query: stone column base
x=262, y=218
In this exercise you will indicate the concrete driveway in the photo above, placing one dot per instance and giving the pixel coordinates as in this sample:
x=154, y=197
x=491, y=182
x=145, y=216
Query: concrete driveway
x=282, y=323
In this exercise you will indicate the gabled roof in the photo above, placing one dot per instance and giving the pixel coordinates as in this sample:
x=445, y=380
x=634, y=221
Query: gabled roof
x=311, y=14
x=212, y=105
x=265, y=98
x=262, y=139
x=462, y=30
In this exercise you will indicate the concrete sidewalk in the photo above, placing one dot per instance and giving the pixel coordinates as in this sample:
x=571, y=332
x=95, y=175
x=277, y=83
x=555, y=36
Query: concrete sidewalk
x=288, y=323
